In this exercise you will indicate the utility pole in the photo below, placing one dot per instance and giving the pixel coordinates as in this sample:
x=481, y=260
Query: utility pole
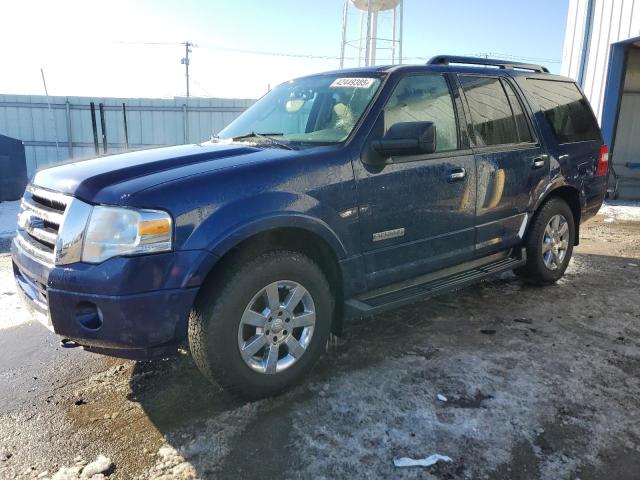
x=185, y=62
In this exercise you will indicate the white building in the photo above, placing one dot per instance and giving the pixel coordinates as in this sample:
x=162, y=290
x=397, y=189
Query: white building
x=602, y=52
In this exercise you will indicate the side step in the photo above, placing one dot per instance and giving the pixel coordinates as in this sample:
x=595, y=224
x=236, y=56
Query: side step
x=445, y=280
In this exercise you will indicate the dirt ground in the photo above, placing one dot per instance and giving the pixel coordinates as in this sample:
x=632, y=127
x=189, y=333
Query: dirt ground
x=539, y=382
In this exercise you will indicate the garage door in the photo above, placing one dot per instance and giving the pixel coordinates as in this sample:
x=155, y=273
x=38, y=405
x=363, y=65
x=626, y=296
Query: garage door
x=626, y=155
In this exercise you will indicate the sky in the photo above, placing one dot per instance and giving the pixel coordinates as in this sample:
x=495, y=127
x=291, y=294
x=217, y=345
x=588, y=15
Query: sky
x=132, y=48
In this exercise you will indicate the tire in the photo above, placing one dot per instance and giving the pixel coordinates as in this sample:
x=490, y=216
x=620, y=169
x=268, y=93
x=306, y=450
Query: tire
x=546, y=264
x=230, y=306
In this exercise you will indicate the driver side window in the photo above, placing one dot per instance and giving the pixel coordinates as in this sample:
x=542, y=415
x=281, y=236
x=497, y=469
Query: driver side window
x=424, y=98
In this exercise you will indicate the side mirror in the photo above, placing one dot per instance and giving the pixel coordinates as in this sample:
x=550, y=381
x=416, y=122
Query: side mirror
x=407, y=138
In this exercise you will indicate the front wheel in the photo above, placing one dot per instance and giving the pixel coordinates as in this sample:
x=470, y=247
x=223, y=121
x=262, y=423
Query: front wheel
x=549, y=243
x=259, y=328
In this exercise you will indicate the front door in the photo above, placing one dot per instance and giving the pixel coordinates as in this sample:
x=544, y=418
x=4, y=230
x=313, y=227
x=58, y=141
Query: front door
x=417, y=213
x=511, y=165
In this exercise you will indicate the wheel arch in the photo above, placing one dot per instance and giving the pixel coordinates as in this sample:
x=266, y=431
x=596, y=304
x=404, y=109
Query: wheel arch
x=295, y=221
x=572, y=196
x=324, y=249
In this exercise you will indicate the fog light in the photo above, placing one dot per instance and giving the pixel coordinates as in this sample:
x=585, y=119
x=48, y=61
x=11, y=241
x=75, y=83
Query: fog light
x=88, y=315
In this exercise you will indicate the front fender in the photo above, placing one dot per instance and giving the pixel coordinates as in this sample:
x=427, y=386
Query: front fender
x=229, y=225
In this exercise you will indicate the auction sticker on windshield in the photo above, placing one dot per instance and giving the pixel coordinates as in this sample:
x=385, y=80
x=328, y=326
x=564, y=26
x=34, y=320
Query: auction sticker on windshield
x=353, y=82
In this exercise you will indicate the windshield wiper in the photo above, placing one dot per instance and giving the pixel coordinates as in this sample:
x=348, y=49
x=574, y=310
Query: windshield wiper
x=265, y=136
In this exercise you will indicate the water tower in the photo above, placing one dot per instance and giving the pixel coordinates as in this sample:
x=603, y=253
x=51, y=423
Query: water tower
x=372, y=37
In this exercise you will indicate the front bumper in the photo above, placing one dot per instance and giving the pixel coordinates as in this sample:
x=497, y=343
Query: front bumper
x=142, y=303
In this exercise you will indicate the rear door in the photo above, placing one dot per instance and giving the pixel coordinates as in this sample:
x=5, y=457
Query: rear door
x=574, y=135
x=511, y=166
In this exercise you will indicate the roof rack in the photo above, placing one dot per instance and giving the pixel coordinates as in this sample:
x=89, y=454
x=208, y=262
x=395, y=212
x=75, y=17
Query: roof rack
x=447, y=59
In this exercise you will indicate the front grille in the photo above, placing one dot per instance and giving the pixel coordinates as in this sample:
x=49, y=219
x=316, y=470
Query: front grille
x=39, y=221
x=35, y=290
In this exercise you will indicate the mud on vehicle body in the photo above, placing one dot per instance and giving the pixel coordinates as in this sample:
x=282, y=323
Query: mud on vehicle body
x=339, y=194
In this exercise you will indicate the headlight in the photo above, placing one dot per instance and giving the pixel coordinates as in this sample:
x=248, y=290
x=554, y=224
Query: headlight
x=114, y=231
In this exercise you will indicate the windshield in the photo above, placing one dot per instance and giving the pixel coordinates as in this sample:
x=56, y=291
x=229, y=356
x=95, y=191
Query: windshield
x=322, y=109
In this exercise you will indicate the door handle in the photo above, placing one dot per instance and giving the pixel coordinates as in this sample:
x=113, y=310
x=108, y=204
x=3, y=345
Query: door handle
x=539, y=162
x=457, y=175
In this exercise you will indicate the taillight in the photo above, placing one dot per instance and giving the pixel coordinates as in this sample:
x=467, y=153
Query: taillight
x=603, y=161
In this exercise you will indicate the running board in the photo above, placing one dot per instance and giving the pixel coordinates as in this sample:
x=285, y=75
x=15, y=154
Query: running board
x=403, y=293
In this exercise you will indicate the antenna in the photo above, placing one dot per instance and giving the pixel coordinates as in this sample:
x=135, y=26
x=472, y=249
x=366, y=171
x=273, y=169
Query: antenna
x=53, y=120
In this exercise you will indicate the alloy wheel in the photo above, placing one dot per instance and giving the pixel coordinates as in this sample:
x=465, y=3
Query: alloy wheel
x=555, y=242
x=276, y=327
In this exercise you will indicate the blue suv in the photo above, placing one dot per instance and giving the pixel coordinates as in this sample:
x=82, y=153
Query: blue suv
x=339, y=194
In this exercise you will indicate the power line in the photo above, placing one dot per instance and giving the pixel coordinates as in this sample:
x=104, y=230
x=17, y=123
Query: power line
x=272, y=54
x=240, y=50
x=152, y=43
x=509, y=56
x=206, y=92
x=331, y=57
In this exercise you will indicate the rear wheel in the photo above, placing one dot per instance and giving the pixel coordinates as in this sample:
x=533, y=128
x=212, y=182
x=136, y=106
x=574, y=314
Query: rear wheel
x=549, y=243
x=259, y=328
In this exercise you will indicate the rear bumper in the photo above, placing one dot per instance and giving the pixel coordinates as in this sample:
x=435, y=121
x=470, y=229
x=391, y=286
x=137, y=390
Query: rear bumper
x=106, y=308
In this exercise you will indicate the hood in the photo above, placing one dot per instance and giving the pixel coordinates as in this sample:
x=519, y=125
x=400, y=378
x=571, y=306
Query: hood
x=135, y=171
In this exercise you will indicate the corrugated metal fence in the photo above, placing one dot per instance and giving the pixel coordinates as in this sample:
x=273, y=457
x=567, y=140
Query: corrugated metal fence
x=150, y=122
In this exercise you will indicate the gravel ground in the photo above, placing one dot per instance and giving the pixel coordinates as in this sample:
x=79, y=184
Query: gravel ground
x=539, y=383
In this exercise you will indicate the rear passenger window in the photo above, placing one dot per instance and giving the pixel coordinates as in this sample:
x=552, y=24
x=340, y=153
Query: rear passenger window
x=524, y=132
x=497, y=114
x=566, y=110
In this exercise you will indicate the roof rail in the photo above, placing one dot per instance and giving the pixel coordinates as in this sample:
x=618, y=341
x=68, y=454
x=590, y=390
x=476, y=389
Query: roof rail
x=447, y=59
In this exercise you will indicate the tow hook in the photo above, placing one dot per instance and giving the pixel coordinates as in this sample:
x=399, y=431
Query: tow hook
x=68, y=343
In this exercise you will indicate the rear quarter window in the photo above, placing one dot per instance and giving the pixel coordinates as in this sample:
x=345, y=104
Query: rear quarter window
x=567, y=111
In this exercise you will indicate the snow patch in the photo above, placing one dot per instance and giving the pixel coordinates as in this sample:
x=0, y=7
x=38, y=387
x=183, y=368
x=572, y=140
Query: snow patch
x=67, y=473
x=100, y=465
x=83, y=471
x=8, y=218
x=421, y=462
x=616, y=211
x=203, y=449
x=13, y=311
